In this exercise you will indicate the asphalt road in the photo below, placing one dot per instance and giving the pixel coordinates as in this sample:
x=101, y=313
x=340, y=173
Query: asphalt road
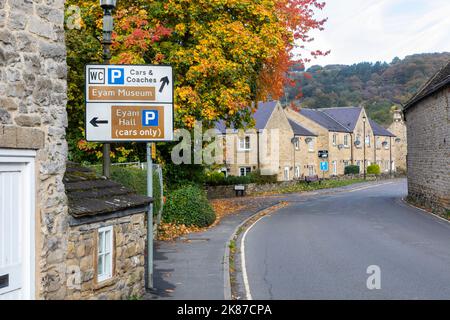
x=320, y=247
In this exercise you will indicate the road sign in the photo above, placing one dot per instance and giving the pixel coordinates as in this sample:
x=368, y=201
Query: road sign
x=323, y=153
x=324, y=165
x=129, y=103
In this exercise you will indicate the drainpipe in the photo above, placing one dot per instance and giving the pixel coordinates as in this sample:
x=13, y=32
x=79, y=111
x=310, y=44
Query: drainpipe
x=351, y=148
x=257, y=150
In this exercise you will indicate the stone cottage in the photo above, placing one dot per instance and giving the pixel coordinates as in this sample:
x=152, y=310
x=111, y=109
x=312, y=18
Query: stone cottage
x=88, y=243
x=427, y=117
x=398, y=128
x=275, y=146
x=349, y=136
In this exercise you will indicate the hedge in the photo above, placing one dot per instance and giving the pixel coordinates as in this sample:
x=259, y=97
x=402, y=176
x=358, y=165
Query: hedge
x=188, y=205
x=351, y=169
x=373, y=169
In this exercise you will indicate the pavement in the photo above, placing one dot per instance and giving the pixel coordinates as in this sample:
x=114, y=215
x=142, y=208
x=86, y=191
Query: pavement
x=192, y=267
x=329, y=246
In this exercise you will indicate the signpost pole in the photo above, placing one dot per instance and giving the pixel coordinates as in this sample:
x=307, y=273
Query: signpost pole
x=108, y=25
x=150, y=217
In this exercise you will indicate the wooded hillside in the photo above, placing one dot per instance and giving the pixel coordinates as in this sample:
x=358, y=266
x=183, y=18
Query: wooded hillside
x=377, y=86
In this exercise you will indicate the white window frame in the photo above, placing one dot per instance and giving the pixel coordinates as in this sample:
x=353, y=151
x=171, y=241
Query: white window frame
x=311, y=145
x=243, y=145
x=387, y=144
x=107, y=273
x=346, y=140
x=297, y=144
x=245, y=171
x=367, y=140
x=334, y=139
x=311, y=170
x=297, y=171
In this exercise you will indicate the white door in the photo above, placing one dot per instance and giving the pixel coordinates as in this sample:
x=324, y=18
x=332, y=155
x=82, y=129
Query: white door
x=334, y=164
x=286, y=173
x=16, y=225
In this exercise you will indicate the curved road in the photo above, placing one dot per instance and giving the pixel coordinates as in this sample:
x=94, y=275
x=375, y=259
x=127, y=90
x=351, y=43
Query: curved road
x=320, y=247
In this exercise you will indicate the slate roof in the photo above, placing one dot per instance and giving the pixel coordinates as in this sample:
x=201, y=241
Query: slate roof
x=323, y=119
x=436, y=82
x=261, y=116
x=91, y=195
x=379, y=130
x=346, y=116
x=300, y=130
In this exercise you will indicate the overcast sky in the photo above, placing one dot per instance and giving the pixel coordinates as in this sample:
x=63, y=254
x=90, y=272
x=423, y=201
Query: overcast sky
x=379, y=30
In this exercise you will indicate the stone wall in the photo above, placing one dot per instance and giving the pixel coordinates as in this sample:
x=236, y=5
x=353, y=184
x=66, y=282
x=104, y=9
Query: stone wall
x=128, y=262
x=33, y=116
x=428, y=161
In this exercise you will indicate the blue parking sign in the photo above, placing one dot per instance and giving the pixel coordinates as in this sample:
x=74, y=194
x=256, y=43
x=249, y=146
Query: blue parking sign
x=116, y=76
x=150, y=118
x=324, y=165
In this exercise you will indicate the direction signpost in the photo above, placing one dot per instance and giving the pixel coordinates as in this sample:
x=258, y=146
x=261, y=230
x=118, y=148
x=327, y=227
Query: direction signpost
x=126, y=103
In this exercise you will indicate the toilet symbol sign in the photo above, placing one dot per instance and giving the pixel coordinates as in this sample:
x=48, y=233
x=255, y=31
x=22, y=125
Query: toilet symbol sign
x=129, y=103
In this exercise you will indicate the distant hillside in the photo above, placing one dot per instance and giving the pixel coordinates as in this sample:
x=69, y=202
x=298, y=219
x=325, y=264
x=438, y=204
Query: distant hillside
x=377, y=86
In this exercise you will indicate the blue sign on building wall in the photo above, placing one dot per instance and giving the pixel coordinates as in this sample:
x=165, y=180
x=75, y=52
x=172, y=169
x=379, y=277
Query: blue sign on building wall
x=324, y=165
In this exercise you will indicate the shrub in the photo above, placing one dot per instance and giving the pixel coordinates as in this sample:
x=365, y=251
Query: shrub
x=136, y=180
x=373, y=169
x=258, y=178
x=188, y=205
x=215, y=178
x=351, y=169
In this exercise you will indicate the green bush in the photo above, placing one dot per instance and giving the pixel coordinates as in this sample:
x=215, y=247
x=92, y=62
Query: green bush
x=259, y=178
x=219, y=179
x=351, y=169
x=188, y=205
x=373, y=169
x=136, y=180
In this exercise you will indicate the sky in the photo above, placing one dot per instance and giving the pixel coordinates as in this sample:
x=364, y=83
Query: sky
x=379, y=30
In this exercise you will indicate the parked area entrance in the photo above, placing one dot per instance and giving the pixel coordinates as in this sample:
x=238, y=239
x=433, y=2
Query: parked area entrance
x=17, y=214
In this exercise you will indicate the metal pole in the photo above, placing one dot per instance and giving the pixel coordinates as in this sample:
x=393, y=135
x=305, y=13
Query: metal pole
x=106, y=42
x=390, y=156
x=149, y=218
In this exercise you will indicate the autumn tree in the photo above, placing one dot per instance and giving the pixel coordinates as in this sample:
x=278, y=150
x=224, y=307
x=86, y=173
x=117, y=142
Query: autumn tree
x=226, y=54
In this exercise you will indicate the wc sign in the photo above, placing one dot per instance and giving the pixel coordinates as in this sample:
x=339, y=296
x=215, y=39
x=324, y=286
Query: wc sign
x=126, y=103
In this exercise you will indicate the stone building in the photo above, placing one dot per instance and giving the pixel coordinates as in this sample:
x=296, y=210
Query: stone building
x=398, y=128
x=349, y=136
x=427, y=117
x=50, y=245
x=270, y=146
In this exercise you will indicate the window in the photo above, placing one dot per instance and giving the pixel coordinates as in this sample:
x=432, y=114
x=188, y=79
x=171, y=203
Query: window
x=386, y=144
x=311, y=145
x=104, y=253
x=297, y=171
x=297, y=143
x=311, y=170
x=286, y=173
x=368, y=140
x=358, y=141
x=358, y=163
x=243, y=171
x=378, y=143
x=345, y=163
x=244, y=143
x=334, y=139
x=346, y=140
x=334, y=166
